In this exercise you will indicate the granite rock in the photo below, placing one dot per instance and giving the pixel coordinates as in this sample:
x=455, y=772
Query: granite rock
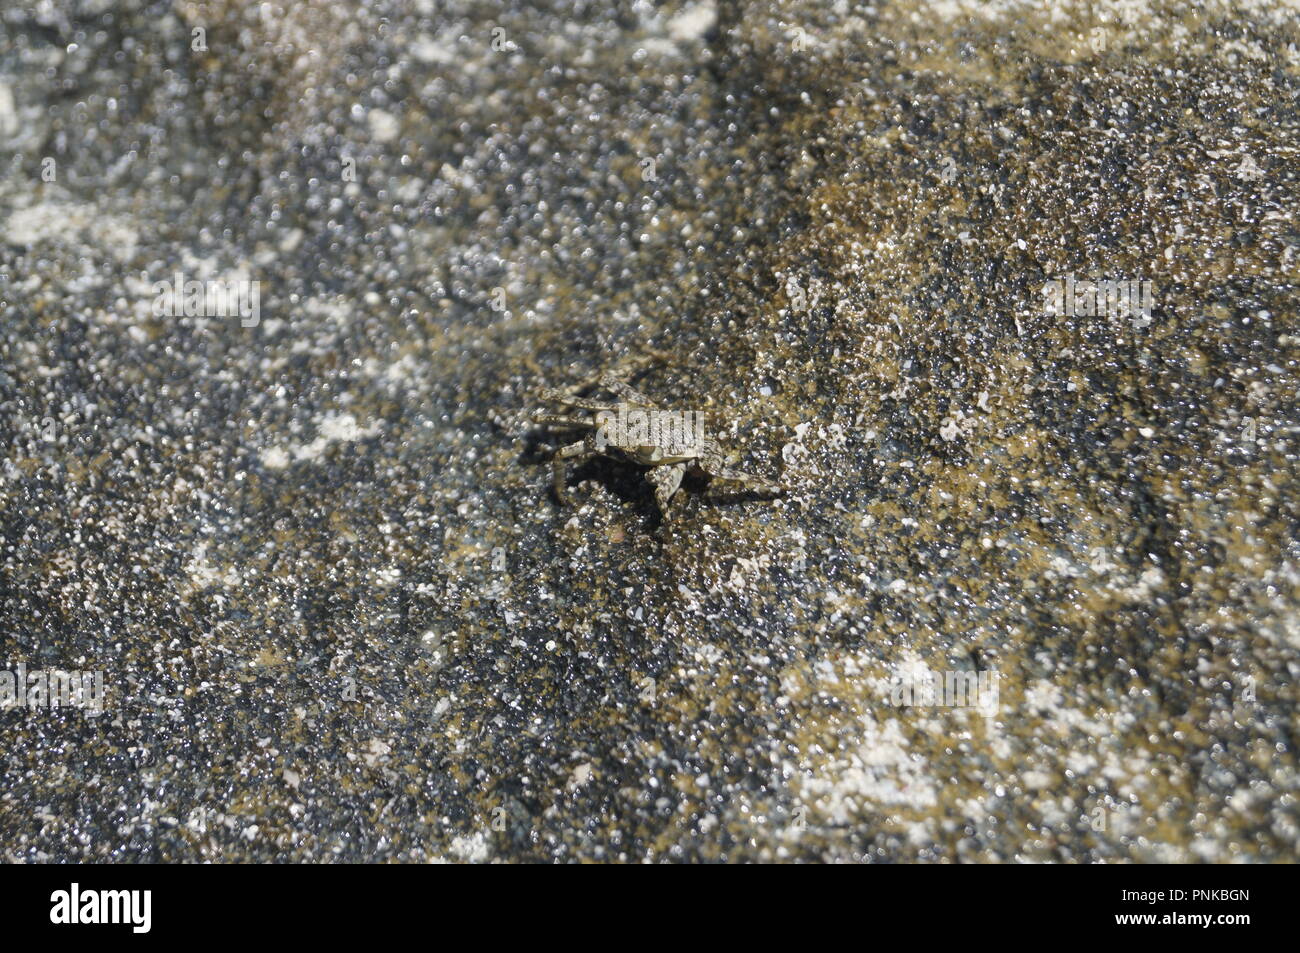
x=311, y=547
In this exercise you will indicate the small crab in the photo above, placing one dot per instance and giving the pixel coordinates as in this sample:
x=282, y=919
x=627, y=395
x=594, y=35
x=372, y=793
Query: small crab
x=668, y=443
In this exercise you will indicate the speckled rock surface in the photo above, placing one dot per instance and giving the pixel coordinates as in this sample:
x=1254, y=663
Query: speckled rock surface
x=338, y=613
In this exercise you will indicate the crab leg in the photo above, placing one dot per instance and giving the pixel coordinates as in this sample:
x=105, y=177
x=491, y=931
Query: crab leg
x=582, y=449
x=612, y=382
x=666, y=480
x=560, y=420
x=714, y=463
x=583, y=403
x=747, y=479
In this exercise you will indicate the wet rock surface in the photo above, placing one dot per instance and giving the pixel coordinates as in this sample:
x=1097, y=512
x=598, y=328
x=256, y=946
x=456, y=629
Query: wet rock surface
x=313, y=549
